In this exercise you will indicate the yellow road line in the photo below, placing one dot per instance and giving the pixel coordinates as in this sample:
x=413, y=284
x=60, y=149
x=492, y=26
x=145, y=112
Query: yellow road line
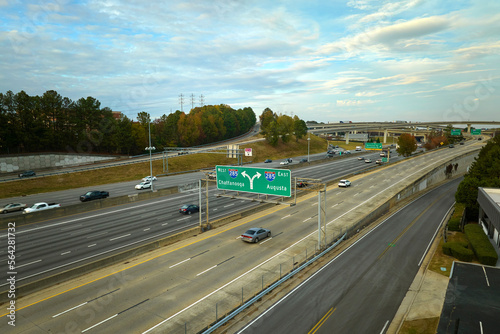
x=322, y=321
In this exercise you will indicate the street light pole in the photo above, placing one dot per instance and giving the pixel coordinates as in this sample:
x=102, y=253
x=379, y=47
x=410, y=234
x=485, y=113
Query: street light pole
x=150, y=148
x=308, y=141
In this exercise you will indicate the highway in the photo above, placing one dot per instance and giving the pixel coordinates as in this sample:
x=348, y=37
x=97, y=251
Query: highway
x=53, y=246
x=72, y=196
x=194, y=275
x=360, y=290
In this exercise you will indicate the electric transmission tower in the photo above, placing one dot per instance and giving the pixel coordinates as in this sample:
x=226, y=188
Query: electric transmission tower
x=202, y=100
x=181, y=100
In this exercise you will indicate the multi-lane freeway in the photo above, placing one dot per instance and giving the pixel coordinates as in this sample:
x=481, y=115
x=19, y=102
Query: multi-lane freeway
x=56, y=245
x=150, y=291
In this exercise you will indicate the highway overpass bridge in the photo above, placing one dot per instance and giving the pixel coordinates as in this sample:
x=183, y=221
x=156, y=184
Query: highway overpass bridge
x=417, y=128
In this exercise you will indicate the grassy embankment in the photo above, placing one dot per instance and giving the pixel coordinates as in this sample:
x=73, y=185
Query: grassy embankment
x=261, y=151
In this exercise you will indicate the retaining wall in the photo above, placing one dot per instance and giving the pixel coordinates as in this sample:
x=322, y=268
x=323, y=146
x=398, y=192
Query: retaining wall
x=19, y=163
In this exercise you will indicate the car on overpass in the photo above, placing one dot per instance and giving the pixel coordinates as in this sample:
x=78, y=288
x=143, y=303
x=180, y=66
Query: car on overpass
x=27, y=173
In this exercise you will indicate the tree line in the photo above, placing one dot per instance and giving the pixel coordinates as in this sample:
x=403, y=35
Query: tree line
x=52, y=122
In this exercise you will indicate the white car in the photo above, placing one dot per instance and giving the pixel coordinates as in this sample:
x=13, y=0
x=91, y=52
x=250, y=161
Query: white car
x=368, y=161
x=143, y=185
x=148, y=178
x=284, y=162
x=344, y=183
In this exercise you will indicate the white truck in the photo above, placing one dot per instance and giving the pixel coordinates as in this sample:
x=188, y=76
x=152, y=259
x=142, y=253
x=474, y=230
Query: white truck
x=41, y=206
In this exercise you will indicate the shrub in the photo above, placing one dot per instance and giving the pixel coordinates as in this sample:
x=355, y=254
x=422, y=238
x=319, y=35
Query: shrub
x=454, y=224
x=458, y=250
x=481, y=245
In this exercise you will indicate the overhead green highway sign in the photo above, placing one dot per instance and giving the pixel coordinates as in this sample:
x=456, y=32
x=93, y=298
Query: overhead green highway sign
x=266, y=181
x=456, y=132
x=373, y=146
x=476, y=131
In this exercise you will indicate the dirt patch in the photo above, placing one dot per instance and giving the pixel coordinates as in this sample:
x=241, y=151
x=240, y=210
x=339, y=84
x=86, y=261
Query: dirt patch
x=420, y=326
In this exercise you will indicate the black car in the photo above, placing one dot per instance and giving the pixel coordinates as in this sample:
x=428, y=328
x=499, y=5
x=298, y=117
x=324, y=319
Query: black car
x=301, y=184
x=303, y=160
x=95, y=194
x=188, y=209
x=268, y=161
x=28, y=173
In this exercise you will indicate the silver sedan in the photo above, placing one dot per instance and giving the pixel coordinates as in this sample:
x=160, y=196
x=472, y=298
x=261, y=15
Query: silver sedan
x=255, y=234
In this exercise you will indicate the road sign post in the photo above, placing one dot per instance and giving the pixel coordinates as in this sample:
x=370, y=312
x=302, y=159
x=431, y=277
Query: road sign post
x=254, y=180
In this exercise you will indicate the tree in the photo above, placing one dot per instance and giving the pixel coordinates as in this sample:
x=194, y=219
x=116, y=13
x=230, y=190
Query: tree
x=407, y=144
x=299, y=127
x=285, y=127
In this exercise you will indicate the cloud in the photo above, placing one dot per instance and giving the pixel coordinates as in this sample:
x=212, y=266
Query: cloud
x=398, y=35
x=350, y=103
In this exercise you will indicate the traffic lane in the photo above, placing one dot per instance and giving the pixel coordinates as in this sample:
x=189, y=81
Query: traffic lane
x=321, y=299
x=106, y=235
x=204, y=264
x=72, y=196
x=169, y=279
x=376, y=295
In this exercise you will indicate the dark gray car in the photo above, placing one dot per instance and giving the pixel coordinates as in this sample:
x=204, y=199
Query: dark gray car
x=255, y=234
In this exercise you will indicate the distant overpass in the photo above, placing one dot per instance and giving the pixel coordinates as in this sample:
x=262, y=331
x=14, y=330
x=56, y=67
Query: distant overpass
x=393, y=127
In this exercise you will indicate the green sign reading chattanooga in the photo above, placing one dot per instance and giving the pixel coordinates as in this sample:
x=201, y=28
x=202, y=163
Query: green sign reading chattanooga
x=254, y=180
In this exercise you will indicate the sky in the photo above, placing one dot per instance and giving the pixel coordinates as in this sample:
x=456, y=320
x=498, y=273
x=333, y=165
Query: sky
x=324, y=61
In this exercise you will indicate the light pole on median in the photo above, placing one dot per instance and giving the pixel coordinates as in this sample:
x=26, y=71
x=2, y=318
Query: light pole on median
x=308, y=142
x=150, y=148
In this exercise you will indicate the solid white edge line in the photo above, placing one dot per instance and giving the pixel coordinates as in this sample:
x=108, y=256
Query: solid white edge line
x=71, y=309
x=434, y=236
x=385, y=326
x=27, y=264
x=486, y=276
x=179, y=263
x=100, y=323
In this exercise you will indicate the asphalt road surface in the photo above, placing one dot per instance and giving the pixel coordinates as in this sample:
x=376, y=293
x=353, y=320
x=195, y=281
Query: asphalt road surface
x=53, y=246
x=360, y=290
x=194, y=275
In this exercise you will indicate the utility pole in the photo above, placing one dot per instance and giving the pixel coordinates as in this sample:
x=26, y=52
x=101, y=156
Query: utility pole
x=181, y=100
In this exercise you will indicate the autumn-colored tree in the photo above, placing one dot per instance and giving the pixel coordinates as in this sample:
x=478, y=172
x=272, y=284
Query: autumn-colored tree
x=407, y=144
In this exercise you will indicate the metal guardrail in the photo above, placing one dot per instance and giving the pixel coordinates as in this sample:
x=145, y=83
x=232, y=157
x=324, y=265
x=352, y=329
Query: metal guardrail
x=271, y=288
